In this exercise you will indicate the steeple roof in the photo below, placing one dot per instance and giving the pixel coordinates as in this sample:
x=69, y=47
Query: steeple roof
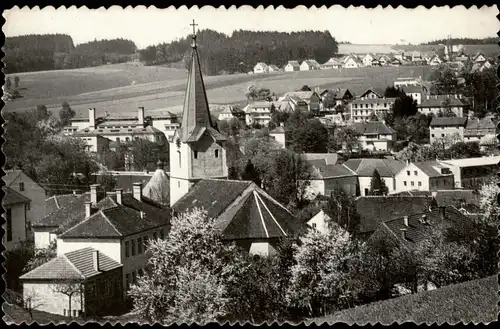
x=196, y=117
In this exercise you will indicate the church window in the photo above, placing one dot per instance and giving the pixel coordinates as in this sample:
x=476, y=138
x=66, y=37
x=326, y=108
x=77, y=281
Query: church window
x=216, y=153
x=196, y=154
x=179, y=156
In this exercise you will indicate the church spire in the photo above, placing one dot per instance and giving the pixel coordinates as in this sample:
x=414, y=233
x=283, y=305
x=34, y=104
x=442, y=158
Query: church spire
x=196, y=117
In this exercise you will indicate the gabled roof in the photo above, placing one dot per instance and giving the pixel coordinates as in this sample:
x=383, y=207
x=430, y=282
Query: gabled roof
x=278, y=130
x=329, y=158
x=479, y=127
x=13, y=197
x=331, y=171
x=372, y=127
x=56, y=202
x=196, y=118
x=293, y=63
x=311, y=62
x=74, y=265
x=448, y=121
x=121, y=220
x=373, y=210
x=431, y=168
x=305, y=95
x=378, y=91
x=365, y=167
x=437, y=101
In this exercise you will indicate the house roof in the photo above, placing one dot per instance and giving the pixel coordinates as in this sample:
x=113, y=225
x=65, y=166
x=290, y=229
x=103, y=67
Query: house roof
x=387, y=100
x=305, y=95
x=417, y=231
x=478, y=127
x=293, y=63
x=448, y=121
x=412, y=89
x=378, y=91
x=365, y=167
x=109, y=130
x=74, y=265
x=126, y=181
x=473, y=162
x=437, y=101
x=329, y=158
x=373, y=210
x=372, y=127
x=13, y=197
x=196, y=119
x=311, y=62
x=331, y=171
x=119, y=220
x=56, y=202
x=11, y=175
x=262, y=64
x=429, y=168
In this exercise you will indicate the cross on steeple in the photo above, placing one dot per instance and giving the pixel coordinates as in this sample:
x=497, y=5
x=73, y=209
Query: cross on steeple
x=194, y=33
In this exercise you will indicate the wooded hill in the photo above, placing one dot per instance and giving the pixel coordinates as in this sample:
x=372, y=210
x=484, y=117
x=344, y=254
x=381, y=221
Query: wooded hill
x=464, y=41
x=220, y=53
x=57, y=51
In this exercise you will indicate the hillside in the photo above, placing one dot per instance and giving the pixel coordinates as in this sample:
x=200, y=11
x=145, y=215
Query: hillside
x=473, y=301
x=121, y=88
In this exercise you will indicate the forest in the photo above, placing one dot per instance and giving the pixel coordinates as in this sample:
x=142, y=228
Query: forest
x=464, y=41
x=57, y=51
x=239, y=52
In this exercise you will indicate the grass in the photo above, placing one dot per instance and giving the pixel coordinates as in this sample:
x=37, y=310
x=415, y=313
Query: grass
x=470, y=302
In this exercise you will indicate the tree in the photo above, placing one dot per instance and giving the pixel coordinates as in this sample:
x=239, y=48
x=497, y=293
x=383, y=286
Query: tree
x=489, y=202
x=308, y=137
x=146, y=153
x=445, y=81
x=320, y=278
x=66, y=113
x=404, y=106
x=255, y=93
x=41, y=256
x=348, y=139
x=463, y=150
x=42, y=113
x=393, y=92
x=377, y=185
x=106, y=180
x=415, y=153
x=16, y=82
x=8, y=83
x=32, y=301
x=341, y=208
x=251, y=174
x=70, y=288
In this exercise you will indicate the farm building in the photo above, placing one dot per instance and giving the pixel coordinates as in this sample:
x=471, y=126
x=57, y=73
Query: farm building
x=447, y=127
x=261, y=68
x=309, y=65
x=292, y=66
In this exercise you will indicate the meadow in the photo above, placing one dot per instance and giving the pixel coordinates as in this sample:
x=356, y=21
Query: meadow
x=471, y=302
x=121, y=88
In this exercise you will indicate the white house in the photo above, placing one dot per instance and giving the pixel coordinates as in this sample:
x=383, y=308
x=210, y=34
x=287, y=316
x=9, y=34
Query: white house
x=279, y=135
x=352, y=61
x=362, y=109
x=258, y=113
x=375, y=135
x=261, y=68
x=326, y=178
x=319, y=222
x=440, y=103
x=404, y=82
x=414, y=91
x=479, y=57
x=424, y=176
x=364, y=168
x=292, y=66
x=447, y=127
x=309, y=65
x=436, y=60
x=332, y=63
x=367, y=59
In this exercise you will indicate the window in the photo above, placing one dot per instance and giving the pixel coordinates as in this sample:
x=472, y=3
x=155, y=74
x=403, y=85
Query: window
x=118, y=139
x=195, y=154
x=416, y=173
x=178, y=183
x=127, y=280
x=442, y=135
x=132, y=245
x=412, y=183
x=136, y=138
x=432, y=135
x=127, y=139
x=161, y=234
x=127, y=249
x=74, y=313
x=141, y=272
x=8, y=214
x=179, y=157
x=134, y=277
x=64, y=312
x=216, y=153
x=404, y=183
x=107, y=287
x=28, y=226
x=408, y=172
x=21, y=186
x=314, y=225
x=139, y=245
x=419, y=183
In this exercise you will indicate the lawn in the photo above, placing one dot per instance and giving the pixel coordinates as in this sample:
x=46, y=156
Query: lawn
x=470, y=302
x=121, y=88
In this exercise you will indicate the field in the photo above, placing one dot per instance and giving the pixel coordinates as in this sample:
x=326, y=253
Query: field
x=121, y=88
x=470, y=302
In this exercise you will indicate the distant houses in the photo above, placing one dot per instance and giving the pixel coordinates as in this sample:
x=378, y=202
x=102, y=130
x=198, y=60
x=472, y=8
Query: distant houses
x=261, y=68
x=447, y=127
x=292, y=66
x=309, y=65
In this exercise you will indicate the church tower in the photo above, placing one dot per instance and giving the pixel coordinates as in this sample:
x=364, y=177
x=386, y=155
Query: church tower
x=197, y=149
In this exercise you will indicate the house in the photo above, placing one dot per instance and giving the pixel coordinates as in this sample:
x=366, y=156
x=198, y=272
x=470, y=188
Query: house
x=351, y=61
x=309, y=65
x=481, y=66
x=437, y=104
x=405, y=82
x=274, y=68
x=21, y=183
x=372, y=93
x=397, y=62
x=336, y=97
x=229, y=112
x=332, y=63
x=16, y=207
x=243, y=212
x=261, y=68
x=415, y=92
x=424, y=176
x=362, y=108
x=375, y=136
x=472, y=172
x=482, y=131
x=311, y=98
x=364, y=168
x=367, y=59
x=92, y=278
x=384, y=60
x=436, y=60
x=258, y=113
x=292, y=66
x=326, y=178
x=374, y=210
x=447, y=127
x=122, y=129
x=279, y=135
x=163, y=120
x=328, y=158
x=320, y=221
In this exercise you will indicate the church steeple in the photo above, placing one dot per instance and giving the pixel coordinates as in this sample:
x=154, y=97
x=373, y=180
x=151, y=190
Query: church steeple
x=196, y=118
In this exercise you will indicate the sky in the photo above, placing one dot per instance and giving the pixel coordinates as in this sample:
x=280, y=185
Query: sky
x=150, y=26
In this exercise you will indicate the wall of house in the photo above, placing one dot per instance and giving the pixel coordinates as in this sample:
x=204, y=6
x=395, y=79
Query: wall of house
x=43, y=236
x=318, y=222
x=364, y=184
x=280, y=138
x=34, y=192
x=167, y=126
x=262, y=249
x=103, y=293
x=109, y=247
x=47, y=300
x=180, y=161
x=348, y=184
x=80, y=124
x=442, y=132
x=18, y=220
x=419, y=179
x=441, y=183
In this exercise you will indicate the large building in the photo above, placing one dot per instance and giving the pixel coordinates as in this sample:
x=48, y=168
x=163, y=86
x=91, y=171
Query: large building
x=447, y=127
x=437, y=104
x=375, y=136
x=424, y=176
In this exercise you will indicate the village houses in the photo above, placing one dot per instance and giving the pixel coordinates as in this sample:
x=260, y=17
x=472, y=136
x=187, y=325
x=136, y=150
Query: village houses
x=424, y=176
x=447, y=127
x=352, y=61
x=279, y=135
x=258, y=112
x=326, y=178
x=375, y=136
x=437, y=104
x=367, y=59
x=332, y=63
x=261, y=68
x=311, y=98
x=292, y=66
x=309, y=65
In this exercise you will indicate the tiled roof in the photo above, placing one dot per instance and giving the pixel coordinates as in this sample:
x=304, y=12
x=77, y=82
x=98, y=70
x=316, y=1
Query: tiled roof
x=127, y=181
x=437, y=101
x=13, y=197
x=480, y=127
x=387, y=100
x=212, y=195
x=448, y=121
x=365, y=167
x=332, y=171
x=379, y=91
x=294, y=63
x=372, y=127
x=429, y=168
x=373, y=210
x=76, y=265
x=473, y=162
x=305, y=95
x=417, y=231
x=330, y=158
x=11, y=175
x=412, y=89
x=56, y=202
x=121, y=220
x=456, y=198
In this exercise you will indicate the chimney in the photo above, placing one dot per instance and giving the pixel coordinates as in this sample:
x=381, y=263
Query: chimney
x=95, y=260
x=140, y=115
x=403, y=234
x=119, y=195
x=137, y=188
x=405, y=221
x=92, y=118
x=442, y=212
x=88, y=209
x=93, y=193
